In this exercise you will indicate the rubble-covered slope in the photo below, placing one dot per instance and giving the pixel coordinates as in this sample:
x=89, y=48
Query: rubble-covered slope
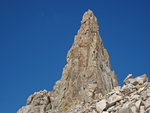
x=133, y=97
x=88, y=85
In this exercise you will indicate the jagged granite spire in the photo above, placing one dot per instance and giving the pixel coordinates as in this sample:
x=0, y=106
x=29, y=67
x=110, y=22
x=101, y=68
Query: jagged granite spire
x=87, y=75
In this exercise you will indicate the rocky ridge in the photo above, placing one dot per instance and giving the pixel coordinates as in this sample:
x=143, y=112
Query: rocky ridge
x=88, y=85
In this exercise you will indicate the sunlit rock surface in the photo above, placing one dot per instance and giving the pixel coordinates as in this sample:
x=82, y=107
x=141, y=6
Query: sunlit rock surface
x=87, y=84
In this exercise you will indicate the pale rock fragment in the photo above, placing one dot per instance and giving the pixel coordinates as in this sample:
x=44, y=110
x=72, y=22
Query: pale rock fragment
x=147, y=103
x=100, y=106
x=124, y=110
x=93, y=111
x=142, y=109
x=135, y=96
x=113, y=99
x=127, y=78
x=133, y=109
x=105, y=112
x=138, y=103
x=141, y=79
x=148, y=110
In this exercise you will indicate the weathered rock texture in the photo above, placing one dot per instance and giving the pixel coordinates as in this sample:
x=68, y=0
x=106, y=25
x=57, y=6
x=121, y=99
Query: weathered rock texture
x=133, y=97
x=87, y=73
x=39, y=102
x=88, y=85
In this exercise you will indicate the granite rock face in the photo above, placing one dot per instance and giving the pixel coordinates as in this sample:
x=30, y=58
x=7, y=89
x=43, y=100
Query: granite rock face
x=88, y=85
x=87, y=73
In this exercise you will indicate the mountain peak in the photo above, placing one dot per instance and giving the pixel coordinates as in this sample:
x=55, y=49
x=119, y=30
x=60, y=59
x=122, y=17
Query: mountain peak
x=87, y=74
x=87, y=16
x=89, y=19
x=87, y=83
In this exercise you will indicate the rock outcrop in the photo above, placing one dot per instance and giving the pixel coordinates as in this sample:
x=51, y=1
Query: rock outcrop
x=87, y=73
x=133, y=97
x=88, y=85
x=39, y=102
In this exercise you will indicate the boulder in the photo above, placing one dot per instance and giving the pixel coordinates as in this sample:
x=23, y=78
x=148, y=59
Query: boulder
x=141, y=79
x=100, y=106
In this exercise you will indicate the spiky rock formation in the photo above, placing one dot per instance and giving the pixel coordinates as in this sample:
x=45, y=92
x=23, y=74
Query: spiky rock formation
x=87, y=73
x=88, y=85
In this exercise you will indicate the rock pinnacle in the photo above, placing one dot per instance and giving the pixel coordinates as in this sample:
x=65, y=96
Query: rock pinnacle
x=87, y=74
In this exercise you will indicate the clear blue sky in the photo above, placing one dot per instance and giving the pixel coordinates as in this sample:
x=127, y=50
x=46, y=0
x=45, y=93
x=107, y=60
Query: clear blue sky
x=35, y=37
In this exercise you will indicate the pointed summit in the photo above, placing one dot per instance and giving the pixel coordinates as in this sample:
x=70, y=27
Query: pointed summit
x=87, y=16
x=88, y=85
x=87, y=74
